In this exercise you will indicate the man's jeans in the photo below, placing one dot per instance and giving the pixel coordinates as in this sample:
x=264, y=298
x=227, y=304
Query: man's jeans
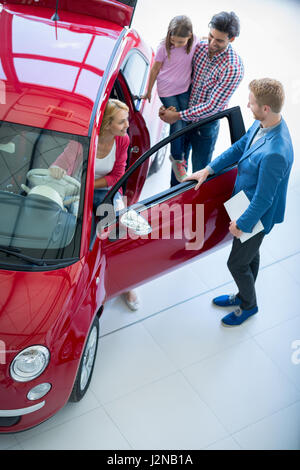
x=202, y=140
x=180, y=102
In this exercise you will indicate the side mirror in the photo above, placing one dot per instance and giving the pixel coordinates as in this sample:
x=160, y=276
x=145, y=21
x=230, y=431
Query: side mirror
x=133, y=220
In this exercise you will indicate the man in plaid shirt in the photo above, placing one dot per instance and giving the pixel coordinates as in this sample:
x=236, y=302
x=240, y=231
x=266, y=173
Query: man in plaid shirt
x=217, y=72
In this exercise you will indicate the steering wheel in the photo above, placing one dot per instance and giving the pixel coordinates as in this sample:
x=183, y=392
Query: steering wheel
x=65, y=186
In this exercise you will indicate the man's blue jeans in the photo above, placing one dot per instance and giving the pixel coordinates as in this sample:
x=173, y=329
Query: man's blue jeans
x=180, y=102
x=202, y=141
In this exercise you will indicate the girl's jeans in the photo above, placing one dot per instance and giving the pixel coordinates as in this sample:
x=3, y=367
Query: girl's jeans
x=202, y=141
x=180, y=102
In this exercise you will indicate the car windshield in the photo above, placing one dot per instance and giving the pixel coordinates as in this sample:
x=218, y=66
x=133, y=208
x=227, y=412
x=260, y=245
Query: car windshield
x=42, y=182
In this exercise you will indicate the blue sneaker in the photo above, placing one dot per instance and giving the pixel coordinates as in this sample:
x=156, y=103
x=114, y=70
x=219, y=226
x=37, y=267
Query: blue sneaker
x=238, y=316
x=226, y=300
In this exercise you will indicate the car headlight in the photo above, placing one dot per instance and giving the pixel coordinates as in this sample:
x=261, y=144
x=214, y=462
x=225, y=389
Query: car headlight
x=29, y=363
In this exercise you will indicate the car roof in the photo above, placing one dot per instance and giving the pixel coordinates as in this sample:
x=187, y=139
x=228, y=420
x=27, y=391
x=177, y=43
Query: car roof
x=51, y=72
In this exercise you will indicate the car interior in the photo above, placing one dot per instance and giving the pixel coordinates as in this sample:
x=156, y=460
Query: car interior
x=38, y=211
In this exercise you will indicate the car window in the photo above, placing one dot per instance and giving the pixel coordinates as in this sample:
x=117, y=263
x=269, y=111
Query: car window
x=160, y=181
x=145, y=188
x=153, y=179
x=223, y=141
x=41, y=178
x=135, y=71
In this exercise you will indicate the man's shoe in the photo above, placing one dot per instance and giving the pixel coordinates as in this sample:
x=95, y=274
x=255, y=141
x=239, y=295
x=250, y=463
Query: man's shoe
x=179, y=169
x=226, y=300
x=238, y=316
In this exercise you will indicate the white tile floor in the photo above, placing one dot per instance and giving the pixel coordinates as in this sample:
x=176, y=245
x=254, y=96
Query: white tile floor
x=170, y=376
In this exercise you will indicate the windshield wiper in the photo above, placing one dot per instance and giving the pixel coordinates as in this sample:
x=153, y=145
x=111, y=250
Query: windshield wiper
x=17, y=253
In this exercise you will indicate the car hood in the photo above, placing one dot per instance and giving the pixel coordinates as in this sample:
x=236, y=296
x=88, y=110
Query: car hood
x=34, y=304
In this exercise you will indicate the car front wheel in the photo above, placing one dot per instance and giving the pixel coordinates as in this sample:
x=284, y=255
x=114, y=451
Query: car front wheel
x=87, y=363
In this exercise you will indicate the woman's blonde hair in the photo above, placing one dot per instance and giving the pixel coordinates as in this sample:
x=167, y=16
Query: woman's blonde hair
x=182, y=27
x=111, y=109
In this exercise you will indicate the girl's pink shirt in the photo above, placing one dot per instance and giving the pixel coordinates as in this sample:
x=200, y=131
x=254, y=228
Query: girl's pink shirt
x=175, y=75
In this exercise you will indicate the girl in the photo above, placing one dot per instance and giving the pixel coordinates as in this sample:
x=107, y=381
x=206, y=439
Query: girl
x=173, y=70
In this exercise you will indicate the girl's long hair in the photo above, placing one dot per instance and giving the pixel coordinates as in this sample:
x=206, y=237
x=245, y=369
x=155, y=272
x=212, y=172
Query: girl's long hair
x=182, y=27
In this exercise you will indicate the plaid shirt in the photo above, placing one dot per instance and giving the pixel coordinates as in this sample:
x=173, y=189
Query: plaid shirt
x=214, y=81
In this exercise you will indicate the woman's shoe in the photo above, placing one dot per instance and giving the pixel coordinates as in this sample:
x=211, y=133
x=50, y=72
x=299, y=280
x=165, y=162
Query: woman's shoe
x=132, y=304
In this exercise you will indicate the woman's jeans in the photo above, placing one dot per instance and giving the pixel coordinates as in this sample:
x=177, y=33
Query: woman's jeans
x=99, y=195
x=180, y=102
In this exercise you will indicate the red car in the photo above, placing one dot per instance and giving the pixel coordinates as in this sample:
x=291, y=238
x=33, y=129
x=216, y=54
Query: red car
x=60, y=262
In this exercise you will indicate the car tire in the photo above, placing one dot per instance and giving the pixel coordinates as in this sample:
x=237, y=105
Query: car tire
x=85, y=371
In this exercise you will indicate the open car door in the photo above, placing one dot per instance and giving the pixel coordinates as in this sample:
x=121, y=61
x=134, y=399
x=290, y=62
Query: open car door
x=161, y=232
x=116, y=11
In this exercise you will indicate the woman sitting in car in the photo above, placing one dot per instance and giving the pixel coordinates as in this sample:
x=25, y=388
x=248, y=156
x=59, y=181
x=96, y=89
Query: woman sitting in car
x=110, y=162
